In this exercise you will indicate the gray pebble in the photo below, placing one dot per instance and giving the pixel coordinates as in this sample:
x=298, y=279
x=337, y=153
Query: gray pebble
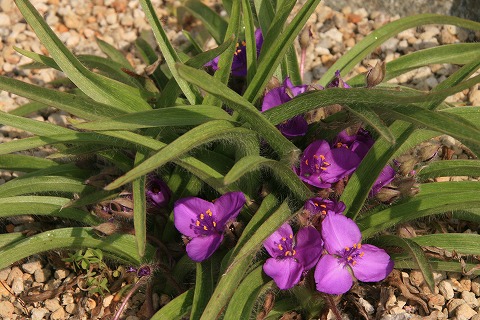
x=464, y=311
x=52, y=304
x=58, y=314
x=6, y=309
x=42, y=275
x=17, y=285
x=4, y=273
x=470, y=298
x=446, y=289
x=14, y=274
x=38, y=313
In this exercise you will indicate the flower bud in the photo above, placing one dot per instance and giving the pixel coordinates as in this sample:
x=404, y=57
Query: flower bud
x=387, y=195
x=305, y=37
x=376, y=74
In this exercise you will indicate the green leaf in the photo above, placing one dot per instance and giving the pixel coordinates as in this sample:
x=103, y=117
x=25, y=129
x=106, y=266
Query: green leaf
x=77, y=105
x=450, y=168
x=236, y=270
x=441, y=266
x=212, y=130
x=205, y=280
x=140, y=209
x=420, y=206
x=284, y=173
x=114, y=54
x=172, y=116
x=367, y=115
x=9, y=238
x=463, y=243
x=177, y=308
x=414, y=251
x=30, y=125
x=215, y=24
x=119, y=247
x=458, y=53
x=251, y=48
x=42, y=184
x=246, y=296
x=99, y=88
x=255, y=119
x=377, y=37
x=272, y=57
x=168, y=52
x=24, y=163
x=44, y=206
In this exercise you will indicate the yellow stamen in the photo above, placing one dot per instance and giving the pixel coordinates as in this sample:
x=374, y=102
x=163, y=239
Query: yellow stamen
x=288, y=253
x=197, y=223
x=323, y=206
x=214, y=224
x=306, y=162
x=294, y=252
x=202, y=216
x=323, y=168
x=205, y=228
x=322, y=157
x=280, y=247
x=291, y=236
x=349, y=258
x=359, y=246
x=283, y=238
x=315, y=204
x=244, y=43
x=347, y=249
x=209, y=212
x=361, y=254
x=354, y=263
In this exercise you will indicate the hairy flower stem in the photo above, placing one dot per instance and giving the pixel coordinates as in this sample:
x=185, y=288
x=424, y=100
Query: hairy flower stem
x=127, y=297
x=332, y=306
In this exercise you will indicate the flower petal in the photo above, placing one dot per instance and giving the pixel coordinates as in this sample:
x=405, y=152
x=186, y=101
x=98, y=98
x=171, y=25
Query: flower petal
x=308, y=247
x=339, y=232
x=227, y=207
x=283, y=232
x=331, y=276
x=342, y=163
x=201, y=248
x=294, y=127
x=186, y=211
x=274, y=97
x=285, y=272
x=375, y=265
x=385, y=177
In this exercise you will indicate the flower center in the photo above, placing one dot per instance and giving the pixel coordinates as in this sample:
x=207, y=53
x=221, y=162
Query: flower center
x=205, y=224
x=285, y=247
x=317, y=163
x=351, y=255
x=239, y=46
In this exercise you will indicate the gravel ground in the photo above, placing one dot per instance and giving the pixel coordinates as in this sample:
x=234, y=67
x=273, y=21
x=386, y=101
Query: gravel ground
x=120, y=22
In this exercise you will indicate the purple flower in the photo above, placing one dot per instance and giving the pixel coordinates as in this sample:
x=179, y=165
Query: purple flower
x=321, y=166
x=346, y=254
x=296, y=126
x=203, y=222
x=338, y=82
x=322, y=206
x=157, y=192
x=239, y=63
x=385, y=177
x=359, y=143
x=291, y=256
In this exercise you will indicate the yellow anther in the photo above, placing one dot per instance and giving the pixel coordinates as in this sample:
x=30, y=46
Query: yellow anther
x=361, y=254
x=280, y=247
x=326, y=163
x=323, y=212
x=291, y=236
x=317, y=166
x=347, y=249
x=283, y=238
x=244, y=43
x=323, y=168
x=202, y=216
x=349, y=258
x=315, y=156
x=355, y=245
x=209, y=212
x=214, y=224
x=315, y=204
x=323, y=206
x=322, y=157
x=288, y=253
x=354, y=263
x=359, y=246
x=306, y=162
x=197, y=223
x=205, y=228
x=294, y=252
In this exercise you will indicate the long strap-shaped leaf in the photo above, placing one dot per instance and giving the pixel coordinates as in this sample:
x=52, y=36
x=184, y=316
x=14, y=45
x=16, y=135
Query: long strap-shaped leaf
x=284, y=173
x=272, y=135
x=377, y=37
x=74, y=104
x=276, y=52
x=213, y=130
x=167, y=50
x=99, y=88
x=140, y=209
x=121, y=247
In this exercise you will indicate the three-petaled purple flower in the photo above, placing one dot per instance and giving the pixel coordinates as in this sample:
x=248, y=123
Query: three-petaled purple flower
x=386, y=176
x=296, y=126
x=239, y=63
x=291, y=256
x=346, y=254
x=203, y=222
x=322, y=206
x=338, y=82
x=157, y=191
x=321, y=165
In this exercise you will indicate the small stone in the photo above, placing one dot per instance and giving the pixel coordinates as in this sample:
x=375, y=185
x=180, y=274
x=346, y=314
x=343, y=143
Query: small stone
x=453, y=304
x=17, y=285
x=6, y=309
x=369, y=309
x=474, y=96
x=446, y=289
x=390, y=45
x=446, y=37
x=107, y=301
x=90, y=304
x=31, y=267
x=476, y=317
x=67, y=298
x=476, y=286
x=4, y=273
x=431, y=82
x=470, y=298
x=416, y=278
x=14, y=273
x=466, y=284
x=464, y=311
x=61, y=274
x=52, y=304
x=38, y=313
x=334, y=34
x=71, y=308
x=42, y=275
x=58, y=314
x=4, y=20
x=436, y=301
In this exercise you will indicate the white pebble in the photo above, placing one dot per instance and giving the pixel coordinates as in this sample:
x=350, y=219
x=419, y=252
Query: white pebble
x=32, y=266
